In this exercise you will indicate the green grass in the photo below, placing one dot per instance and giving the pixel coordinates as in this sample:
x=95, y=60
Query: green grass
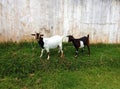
x=21, y=67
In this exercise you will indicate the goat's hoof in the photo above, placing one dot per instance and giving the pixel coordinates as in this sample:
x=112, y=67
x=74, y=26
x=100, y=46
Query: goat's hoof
x=75, y=56
x=88, y=55
x=61, y=56
x=47, y=58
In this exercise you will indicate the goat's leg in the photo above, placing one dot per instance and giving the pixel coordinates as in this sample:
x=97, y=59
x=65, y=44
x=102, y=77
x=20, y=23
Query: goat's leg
x=88, y=45
x=76, y=53
x=88, y=50
x=48, y=54
x=41, y=52
x=61, y=51
x=83, y=49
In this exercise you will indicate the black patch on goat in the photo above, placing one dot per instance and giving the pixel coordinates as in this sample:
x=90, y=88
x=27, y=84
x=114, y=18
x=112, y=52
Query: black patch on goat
x=41, y=43
x=76, y=42
x=85, y=40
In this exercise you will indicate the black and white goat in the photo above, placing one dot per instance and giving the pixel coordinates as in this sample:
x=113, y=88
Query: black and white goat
x=49, y=43
x=79, y=43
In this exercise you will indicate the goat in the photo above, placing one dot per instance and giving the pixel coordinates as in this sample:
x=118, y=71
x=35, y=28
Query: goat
x=79, y=43
x=49, y=43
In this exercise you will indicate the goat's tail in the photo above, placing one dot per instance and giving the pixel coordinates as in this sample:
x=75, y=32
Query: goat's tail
x=64, y=38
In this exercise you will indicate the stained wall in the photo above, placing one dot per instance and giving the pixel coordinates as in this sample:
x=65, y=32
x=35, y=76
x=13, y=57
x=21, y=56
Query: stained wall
x=98, y=18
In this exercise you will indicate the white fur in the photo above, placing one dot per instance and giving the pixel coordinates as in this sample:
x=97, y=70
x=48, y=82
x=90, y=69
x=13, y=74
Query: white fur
x=52, y=42
x=41, y=52
x=81, y=44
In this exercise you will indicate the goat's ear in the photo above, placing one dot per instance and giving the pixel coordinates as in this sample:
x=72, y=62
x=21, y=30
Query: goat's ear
x=33, y=34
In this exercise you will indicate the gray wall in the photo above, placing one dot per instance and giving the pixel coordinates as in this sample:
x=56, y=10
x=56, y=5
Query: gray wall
x=99, y=18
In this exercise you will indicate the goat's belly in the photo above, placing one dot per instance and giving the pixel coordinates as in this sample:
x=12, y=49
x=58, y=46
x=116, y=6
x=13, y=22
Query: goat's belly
x=50, y=45
x=81, y=44
x=53, y=46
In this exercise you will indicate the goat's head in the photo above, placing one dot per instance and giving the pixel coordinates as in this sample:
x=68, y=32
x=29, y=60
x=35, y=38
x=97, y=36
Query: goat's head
x=38, y=36
x=70, y=38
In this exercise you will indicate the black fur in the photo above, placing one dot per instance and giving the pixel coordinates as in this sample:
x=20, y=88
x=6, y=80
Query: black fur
x=41, y=43
x=76, y=43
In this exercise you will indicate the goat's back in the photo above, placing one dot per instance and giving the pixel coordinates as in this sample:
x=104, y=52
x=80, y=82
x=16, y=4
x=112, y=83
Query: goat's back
x=53, y=41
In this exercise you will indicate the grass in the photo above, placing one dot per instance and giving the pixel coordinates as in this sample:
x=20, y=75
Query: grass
x=21, y=67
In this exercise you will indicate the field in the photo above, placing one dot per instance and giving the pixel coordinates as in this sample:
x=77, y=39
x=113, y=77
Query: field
x=21, y=67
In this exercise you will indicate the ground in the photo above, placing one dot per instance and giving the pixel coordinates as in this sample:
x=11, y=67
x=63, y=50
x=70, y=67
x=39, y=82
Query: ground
x=21, y=67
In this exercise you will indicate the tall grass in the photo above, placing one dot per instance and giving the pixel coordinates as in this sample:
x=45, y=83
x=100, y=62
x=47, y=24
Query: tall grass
x=21, y=67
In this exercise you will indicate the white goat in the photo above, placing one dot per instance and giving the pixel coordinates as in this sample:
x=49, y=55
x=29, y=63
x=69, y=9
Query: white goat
x=49, y=43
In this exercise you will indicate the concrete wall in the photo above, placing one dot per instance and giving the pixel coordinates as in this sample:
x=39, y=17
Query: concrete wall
x=99, y=18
